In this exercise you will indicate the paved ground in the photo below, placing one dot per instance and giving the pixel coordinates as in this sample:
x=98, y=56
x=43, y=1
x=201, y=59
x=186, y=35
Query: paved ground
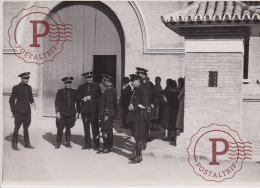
x=163, y=164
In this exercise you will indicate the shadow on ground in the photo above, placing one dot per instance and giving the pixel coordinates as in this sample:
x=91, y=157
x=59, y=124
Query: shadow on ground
x=20, y=139
x=123, y=144
x=51, y=138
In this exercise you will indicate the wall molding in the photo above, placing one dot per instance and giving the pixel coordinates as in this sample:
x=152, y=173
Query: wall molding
x=251, y=100
x=146, y=45
x=10, y=51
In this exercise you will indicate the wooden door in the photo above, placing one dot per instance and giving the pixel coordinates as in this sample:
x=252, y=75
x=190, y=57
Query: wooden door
x=94, y=33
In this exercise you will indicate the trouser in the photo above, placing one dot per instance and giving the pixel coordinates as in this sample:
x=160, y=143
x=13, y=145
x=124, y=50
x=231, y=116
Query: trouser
x=19, y=119
x=107, y=132
x=66, y=122
x=108, y=138
x=147, y=130
x=91, y=118
x=124, y=115
x=139, y=146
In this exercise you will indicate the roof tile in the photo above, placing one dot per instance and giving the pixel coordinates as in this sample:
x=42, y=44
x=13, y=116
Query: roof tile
x=215, y=11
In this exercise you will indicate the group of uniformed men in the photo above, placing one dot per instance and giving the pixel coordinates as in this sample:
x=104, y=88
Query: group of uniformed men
x=97, y=110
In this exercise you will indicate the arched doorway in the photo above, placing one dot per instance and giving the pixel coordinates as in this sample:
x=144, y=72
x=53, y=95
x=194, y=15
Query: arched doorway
x=97, y=45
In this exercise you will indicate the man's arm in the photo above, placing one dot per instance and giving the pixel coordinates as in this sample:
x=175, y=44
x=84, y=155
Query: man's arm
x=77, y=102
x=57, y=104
x=31, y=100
x=12, y=99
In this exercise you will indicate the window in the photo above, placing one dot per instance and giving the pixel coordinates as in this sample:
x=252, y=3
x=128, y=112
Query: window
x=213, y=78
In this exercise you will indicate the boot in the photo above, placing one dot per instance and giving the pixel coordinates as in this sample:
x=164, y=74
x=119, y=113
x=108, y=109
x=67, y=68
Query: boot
x=105, y=145
x=59, y=137
x=111, y=141
x=138, y=157
x=27, y=140
x=134, y=153
x=86, y=143
x=67, y=138
x=144, y=146
x=96, y=144
x=15, y=141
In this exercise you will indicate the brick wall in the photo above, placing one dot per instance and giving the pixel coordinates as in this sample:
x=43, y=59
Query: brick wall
x=206, y=105
x=251, y=99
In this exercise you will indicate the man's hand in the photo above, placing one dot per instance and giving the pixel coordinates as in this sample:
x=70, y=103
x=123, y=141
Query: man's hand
x=125, y=86
x=34, y=105
x=105, y=118
x=152, y=105
x=131, y=107
x=87, y=98
x=149, y=110
x=77, y=116
x=58, y=116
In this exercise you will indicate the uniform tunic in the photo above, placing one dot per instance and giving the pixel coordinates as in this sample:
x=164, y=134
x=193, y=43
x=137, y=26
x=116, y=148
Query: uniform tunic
x=65, y=102
x=21, y=98
x=138, y=117
x=107, y=107
x=89, y=111
x=20, y=101
x=92, y=90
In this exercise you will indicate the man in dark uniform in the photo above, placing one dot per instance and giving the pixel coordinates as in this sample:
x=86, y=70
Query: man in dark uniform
x=20, y=101
x=88, y=97
x=65, y=102
x=138, y=115
x=145, y=83
x=107, y=113
x=125, y=100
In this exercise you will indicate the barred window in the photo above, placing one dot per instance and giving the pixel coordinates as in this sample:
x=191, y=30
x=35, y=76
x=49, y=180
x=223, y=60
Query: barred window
x=213, y=78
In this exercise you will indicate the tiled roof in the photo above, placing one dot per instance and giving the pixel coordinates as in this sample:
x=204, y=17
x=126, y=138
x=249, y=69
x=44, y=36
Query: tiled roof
x=218, y=11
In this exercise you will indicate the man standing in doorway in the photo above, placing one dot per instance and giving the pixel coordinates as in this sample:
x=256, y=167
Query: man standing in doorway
x=20, y=101
x=88, y=97
x=65, y=103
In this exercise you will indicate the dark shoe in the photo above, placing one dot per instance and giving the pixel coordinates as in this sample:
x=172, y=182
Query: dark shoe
x=14, y=147
x=96, y=148
x=136, y=160
x=132, y=158
x=57, y=146
x=144, y=147
x=111, y=149
x=68, y=145
x=105, y=150
x=28, y=146
x=15, y=142
x=86, y=147
x=27, y=140
x=100, y=151
x=96, y=145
